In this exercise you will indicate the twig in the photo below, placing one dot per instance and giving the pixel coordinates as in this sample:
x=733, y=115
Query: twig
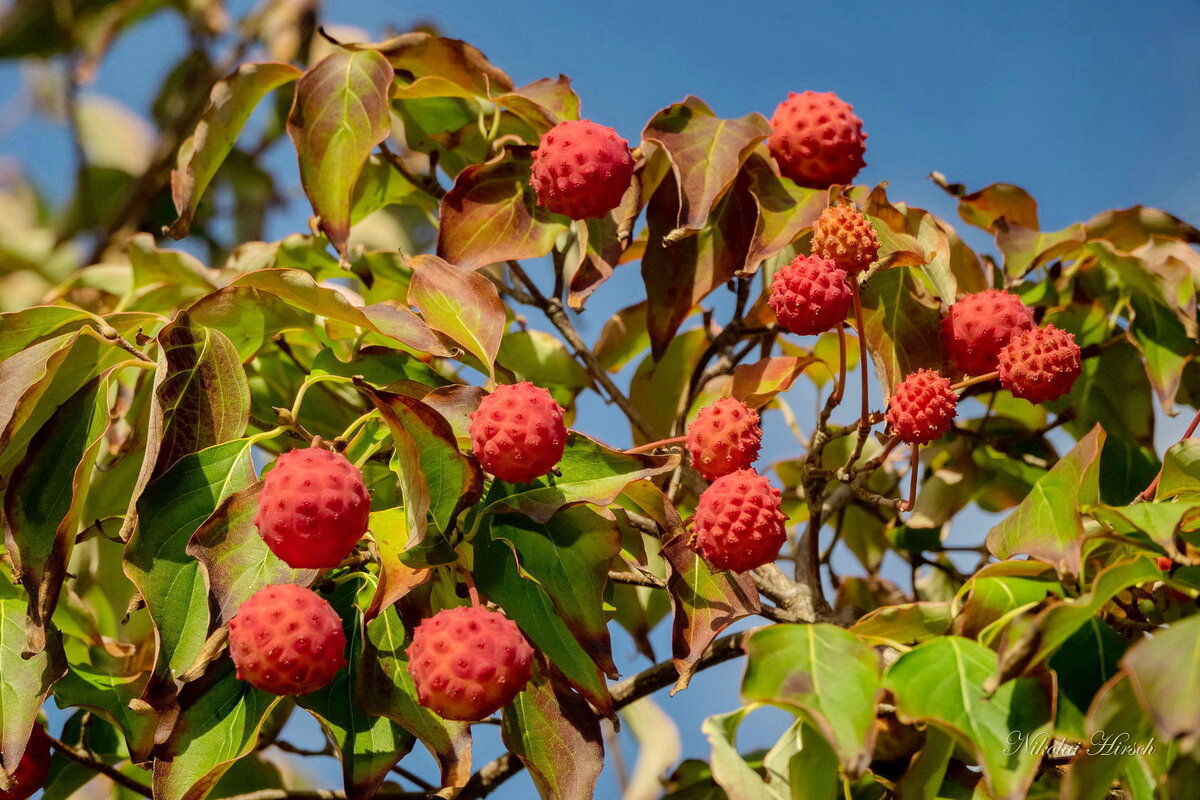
x=553, y=309
x=1149, y=491
x=96, y=765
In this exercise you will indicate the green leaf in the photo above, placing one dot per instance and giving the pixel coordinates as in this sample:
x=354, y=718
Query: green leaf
x=20, y=329
x=622, y=337
x=542, y=359
x=1033, y=639
x=1181, y=470
x=999, y=589
x=823, y=673
x=657, y=389
x=386, y=689
x=491, y=215
x=389, y=528
x=568, y=556
x=923, y=778
x=591, y=473
x=236, y=561
x=109, y=695
x=1165, y=673
x=247, y=316
x=1048, y=524
x=706, y=153
x=339, y=115
x=501, y=580
x=903, y=325
x=739, y=779
x=369, y=746
x=1115, y=720
x=557, y=737
x=802, y=762
x=1083, y=664
x=1164, y=345
x=942, y=683
x=425, y=54
x=218, y=723
x=44, y=498
x=170, y=510
x=27, y=681
x=461, y=304
x=706, y=600
x=905, y=624
x=230, y=104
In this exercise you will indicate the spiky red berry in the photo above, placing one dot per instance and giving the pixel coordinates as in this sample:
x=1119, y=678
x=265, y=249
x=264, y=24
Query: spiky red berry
x=978, y=325
x=724, y=438
x=810, y=295
x=738, y=523
x=468, y=662
x=518, y=432
x=31, y=771
x=1040, y=364
x=845, y=236
x=287, y=640
x=922, y=407
x=313, y=508
x=581, y=169
x=817, y=140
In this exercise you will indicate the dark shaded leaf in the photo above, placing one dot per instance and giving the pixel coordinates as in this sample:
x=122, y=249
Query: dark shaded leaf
x=557, y=737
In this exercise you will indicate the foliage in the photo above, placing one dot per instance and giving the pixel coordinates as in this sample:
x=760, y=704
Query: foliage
x=144, y=388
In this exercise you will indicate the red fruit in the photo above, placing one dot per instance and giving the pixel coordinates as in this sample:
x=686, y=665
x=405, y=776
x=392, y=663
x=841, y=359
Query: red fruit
x=468, y=662
x=518, y=432
x=287, y=640
x=32, y=769
x=313, y=508
x=977, y=326
x=810, y=295
x=922, y=407
x=844, y=235
x=817, y=140
x=1165, y=564
x=581, y=169
x=724, y=437
x=738, y=523
x=1040, y=364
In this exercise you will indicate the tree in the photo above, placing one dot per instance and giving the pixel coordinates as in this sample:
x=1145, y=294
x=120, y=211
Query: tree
x=154, y=399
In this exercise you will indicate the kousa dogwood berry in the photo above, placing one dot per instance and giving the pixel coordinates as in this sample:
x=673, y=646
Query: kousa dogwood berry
x=976, y=327
x=810, y=295
x=846, y=237
x=817, y=139
x=581, y=169
x=724, y=437
x=33, y=768
x=922, y=407
x=518, y=433
x=739, y=524
x=1040, y=364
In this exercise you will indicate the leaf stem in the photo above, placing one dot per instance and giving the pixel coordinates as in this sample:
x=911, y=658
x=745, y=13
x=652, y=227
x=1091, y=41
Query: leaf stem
x=1148, y=493
x=646, y=448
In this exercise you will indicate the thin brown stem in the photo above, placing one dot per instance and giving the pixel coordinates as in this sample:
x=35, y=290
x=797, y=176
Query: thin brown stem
x=646, y=448
x=96, y=765
x=839, y=391
x=1148, y=492
x=990, y=376
x=913, y=470
x=864, y=419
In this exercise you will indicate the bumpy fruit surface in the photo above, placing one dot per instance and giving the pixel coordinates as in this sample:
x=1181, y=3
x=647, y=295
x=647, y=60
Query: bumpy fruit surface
x=1040, y=364
x=817, y=140
x=34, y=766
x=738, y=524
x=844, y=235
x=287, y=640
x=977, y=326
x=518, y=432
x=469, y=662
x=313, y=508
x=922, y=407
x=724, y=438
x=810, y=295
x=581, y=169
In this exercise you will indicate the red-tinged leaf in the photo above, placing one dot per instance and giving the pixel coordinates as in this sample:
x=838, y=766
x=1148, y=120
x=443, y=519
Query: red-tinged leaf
x=1130, y=228
x=455, y=403
x=1162, y=670
x=903, y=325
x=557, y=737
x=387, y=690
x=548, y=102
x=339, y=115
x=389, y=529
x=706, y=153
x=592, y=258
x=706, y=600
x=237, y=562
x=1025, y=249
x=784, y=210
x=999, y=201
x=1048, y=525
x=491, y=215
x=461, y=304
x=201, y=398
x=679, y=275
x=500, y=579
x=44, y=498
x=27, y=681
x=422, y=54
x=568, y=556
x=230, y=104
x=298, y=289
x=249, y=317
x=756, y=384
x=591, y=473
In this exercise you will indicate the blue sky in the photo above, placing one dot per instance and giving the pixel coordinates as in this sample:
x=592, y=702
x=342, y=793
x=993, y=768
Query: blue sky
x=1088, y=105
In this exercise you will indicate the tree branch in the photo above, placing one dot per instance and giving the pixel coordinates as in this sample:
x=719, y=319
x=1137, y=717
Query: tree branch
x=96, y=765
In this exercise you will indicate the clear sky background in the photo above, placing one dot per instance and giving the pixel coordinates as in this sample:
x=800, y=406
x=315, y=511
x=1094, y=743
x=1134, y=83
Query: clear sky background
x=1088, y=105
